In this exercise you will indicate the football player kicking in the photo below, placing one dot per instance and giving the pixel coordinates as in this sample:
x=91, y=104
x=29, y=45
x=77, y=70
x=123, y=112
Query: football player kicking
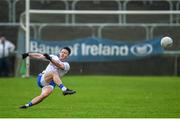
x=51, y=76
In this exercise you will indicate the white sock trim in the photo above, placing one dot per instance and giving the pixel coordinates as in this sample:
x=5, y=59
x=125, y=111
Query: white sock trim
x=64, y=88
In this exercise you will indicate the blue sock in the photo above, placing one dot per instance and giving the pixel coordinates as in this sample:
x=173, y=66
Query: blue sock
x=62, y=87
x=30, y=104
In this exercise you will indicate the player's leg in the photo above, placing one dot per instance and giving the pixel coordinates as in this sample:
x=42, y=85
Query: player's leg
x=56, y=79
x=48, y=77
x=46, y=91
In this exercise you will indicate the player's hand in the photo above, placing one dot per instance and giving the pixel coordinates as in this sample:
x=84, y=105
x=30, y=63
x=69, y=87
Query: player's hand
x=24, y=55
x=47, y=57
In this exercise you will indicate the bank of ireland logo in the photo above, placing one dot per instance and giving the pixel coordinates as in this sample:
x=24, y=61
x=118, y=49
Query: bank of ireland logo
x=141, y=49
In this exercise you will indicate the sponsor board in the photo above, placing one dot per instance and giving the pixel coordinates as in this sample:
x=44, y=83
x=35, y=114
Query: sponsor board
x=95, y=49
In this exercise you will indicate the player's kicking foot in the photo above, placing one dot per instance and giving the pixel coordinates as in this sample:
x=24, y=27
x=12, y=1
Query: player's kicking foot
x=26, y=105
x=23, y=107
x=68, y=92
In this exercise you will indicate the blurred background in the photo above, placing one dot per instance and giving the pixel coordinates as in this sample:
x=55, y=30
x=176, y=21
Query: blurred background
x=118, y=27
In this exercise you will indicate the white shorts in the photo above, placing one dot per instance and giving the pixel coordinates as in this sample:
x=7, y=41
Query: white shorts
x=42, y=83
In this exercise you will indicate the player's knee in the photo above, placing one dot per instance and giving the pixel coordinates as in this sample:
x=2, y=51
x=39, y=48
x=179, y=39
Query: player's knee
x=55, y=74
x=44, y=95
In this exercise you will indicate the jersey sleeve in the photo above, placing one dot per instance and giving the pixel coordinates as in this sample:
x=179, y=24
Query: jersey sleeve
x=54, y=57
x=66, y=66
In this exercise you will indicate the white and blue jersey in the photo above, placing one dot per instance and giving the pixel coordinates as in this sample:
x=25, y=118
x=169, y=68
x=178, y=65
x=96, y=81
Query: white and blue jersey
x=51, y=67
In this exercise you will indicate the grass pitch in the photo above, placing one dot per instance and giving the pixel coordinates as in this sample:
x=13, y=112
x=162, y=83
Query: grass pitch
x=97, y=96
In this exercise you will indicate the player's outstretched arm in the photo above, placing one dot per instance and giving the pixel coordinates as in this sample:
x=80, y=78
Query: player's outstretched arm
x=36, y=55
x=33, y=55
x=57, y=64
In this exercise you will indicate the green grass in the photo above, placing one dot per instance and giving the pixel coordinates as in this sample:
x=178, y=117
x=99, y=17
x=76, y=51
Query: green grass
x=97, y=96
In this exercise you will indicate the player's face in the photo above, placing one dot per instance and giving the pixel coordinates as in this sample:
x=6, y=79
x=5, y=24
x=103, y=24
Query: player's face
x=64, y=54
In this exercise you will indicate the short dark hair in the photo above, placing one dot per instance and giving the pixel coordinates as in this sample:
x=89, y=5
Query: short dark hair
x=68, y=49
